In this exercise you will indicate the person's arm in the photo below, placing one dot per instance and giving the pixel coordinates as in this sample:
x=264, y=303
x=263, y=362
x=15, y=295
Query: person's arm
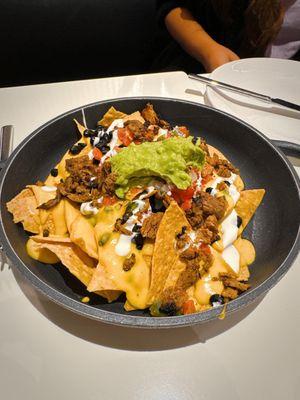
x=195, y=41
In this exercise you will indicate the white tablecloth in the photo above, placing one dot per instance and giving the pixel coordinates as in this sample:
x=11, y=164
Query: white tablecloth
x=49, y=353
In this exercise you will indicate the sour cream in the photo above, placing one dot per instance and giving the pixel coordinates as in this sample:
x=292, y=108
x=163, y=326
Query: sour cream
x=88, y=209
x=230, y=229
x=233, y=192
x=90, y=154
x=49, y=188
x=232, y=257
x=117, y=123
x=123, y=246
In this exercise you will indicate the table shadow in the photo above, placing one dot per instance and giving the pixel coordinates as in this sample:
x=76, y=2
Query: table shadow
x=124, y=338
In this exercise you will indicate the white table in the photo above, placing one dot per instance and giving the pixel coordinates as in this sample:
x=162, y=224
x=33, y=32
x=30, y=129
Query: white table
x=49, y=353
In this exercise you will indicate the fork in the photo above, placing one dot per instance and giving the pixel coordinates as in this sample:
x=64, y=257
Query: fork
x=6, y=142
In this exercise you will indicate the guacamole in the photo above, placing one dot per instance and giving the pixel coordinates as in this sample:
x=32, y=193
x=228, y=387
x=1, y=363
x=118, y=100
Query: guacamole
x=167, y=159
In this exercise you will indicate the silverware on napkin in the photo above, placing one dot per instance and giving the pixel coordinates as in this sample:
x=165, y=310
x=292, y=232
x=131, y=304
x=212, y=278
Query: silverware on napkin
x=259, y=96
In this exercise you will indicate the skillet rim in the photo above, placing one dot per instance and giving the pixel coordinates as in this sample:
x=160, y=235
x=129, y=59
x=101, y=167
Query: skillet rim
x=147, y=321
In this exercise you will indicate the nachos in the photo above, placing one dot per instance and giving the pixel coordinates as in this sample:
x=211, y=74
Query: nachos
x=140, y=207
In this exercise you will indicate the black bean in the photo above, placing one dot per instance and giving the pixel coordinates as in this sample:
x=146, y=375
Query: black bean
x=194, y=140
x=104, y=149
x=46, y=233
x=239, y=221
x=136, y=228
x=157, y=205
x=54, y=172
x=75, y=149
x=138, y=240
x=209, y=190
x=88, y=133
x=126, y=217
x=82, y=145
x=92, y=139
x=96, y=162
x=216, y=300
x=180, y=234
x=169, y=308
x=227, y=183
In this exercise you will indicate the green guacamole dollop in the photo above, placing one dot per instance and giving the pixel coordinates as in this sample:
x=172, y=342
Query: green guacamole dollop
x=167, y=159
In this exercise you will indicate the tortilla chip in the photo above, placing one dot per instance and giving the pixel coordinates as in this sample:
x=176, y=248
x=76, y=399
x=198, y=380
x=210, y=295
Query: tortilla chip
x=81, y=231
x=239, y=183
x=128, y=306
x=133, y=192
x=52, y=219
x=101, y=282
x=71, y=213
x=81, y=128
x=24, y=210
x=247, y=205
x=35, y=251
x=136, y=116
x=71, y=256
x=212, y=150
x=51, y=239
x=110, y=116
x=166, y=265
x=109, y=274
x=110, y=295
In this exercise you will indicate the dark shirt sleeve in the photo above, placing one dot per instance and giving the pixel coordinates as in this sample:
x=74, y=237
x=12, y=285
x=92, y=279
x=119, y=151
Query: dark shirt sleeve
x=163, y=7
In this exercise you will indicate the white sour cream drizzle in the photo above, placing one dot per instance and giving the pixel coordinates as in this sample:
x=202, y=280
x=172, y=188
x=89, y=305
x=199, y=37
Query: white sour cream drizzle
x=232, y=257
x=88, y=209
x=123, y=245
x=49, y=188
x=229, y=229
x=161, y=132
x=91, y=154
x=234, y=193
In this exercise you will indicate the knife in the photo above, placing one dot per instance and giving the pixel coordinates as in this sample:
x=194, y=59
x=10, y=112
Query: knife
x=259, y=96
x=6, y=142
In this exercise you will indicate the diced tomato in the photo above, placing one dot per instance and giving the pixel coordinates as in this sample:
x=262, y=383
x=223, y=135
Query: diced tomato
x=184, y=130
x=97, y=153
x=184, y=197
x=125, y=136
x=188, y=307
x=205, y=248
x=108, y=201
x=186, y=205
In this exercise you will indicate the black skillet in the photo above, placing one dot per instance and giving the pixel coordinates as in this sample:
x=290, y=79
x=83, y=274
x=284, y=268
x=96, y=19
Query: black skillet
x=274, y=230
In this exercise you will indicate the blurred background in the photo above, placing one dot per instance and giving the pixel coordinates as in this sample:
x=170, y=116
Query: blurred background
x=57, y=40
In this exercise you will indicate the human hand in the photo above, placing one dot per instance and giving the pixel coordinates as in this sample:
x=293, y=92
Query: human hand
x=217, y=55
